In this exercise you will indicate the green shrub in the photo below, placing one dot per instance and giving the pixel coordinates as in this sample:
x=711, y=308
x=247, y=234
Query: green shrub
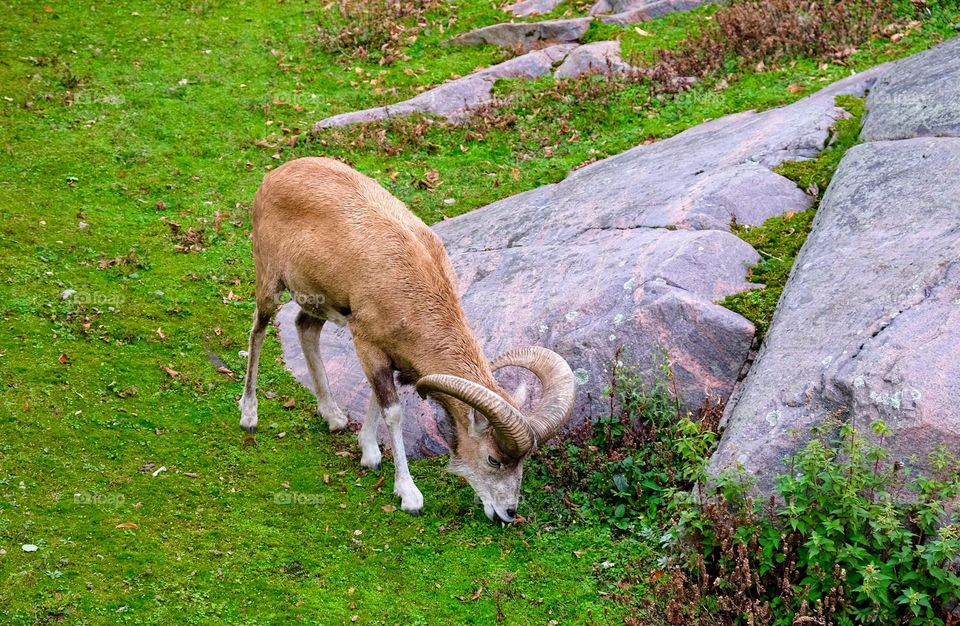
x=850, y=539
x=628, y=466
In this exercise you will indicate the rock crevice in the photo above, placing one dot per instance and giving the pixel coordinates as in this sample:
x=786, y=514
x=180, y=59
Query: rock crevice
x=868, y=326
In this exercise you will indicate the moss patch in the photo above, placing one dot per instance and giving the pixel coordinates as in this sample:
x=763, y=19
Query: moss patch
x=779, y=239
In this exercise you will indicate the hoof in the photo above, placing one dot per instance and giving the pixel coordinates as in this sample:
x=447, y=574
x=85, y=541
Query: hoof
x=249, y=424
x=413, y=512
x=337, y=425
x=371, y=462
x=336, y=420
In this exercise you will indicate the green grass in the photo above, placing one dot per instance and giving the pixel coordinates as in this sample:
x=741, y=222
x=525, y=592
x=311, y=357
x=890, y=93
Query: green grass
x=779, y=239
x=124, y=126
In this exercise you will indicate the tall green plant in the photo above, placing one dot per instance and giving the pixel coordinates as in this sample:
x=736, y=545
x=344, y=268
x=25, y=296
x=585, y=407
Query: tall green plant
x=630, y=465
x=850, y=539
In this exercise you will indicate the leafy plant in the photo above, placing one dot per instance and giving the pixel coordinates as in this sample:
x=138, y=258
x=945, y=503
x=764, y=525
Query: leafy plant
x=850, y=538
x=629, y=465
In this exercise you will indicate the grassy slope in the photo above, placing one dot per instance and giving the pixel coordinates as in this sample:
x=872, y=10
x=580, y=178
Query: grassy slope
x=167, y=104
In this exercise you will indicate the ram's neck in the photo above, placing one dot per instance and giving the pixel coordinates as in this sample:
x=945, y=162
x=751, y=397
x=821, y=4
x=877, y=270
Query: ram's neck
x=455, y=352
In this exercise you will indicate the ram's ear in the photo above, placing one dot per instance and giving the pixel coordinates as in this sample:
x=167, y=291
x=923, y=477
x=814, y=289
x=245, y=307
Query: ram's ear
x=448, y=432
x=478, y=423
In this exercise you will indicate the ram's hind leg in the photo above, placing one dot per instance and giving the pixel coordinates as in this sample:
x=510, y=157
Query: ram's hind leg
x=308, y=328
x=248, y=402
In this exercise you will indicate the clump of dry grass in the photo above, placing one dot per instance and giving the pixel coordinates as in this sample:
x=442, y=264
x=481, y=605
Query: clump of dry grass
x=748, y=32
x=376, y=29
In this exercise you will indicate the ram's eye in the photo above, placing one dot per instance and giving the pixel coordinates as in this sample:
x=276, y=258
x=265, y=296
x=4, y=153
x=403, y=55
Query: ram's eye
x=494, y=463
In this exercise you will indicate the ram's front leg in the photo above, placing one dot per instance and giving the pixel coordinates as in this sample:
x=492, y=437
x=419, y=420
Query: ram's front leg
x=376, y=365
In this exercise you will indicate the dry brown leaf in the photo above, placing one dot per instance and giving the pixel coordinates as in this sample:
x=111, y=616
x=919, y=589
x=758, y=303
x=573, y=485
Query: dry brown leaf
x=127, y=525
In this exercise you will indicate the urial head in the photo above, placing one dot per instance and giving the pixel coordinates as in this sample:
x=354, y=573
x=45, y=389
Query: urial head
x=490, y=440
x=494, y=474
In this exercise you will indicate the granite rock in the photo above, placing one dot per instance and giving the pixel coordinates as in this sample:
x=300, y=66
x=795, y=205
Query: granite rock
x=623, y=12
x=453, y=100
x=919, y=97
x=868, y=326
x=532, y=7
x=525, y=35
x=601, y=57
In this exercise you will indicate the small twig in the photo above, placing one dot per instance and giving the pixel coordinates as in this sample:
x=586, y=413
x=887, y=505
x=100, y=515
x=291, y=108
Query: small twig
x=771, y=256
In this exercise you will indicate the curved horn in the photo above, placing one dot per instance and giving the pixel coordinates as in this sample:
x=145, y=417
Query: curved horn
x=558, y=387
x=510, y=426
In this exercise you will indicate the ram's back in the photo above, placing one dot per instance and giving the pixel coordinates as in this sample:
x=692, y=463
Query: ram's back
x=322, y=227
